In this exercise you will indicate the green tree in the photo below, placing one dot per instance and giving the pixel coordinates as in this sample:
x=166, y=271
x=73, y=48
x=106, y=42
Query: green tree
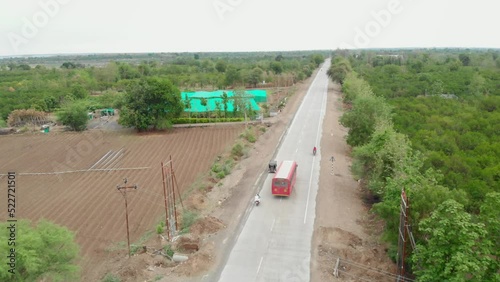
x=25, y=67
x=68, y=65
x=225, y=102
x=465, y=59
x=74, y=115
x=276, y=67
x=477, y=85
x=106, y=76
x=454, y=247
x=151, y=102
x=44, y=252
x=79, y=92
x=232, y=76
x=454, y=65
x=317, y=59
x=354, y=86
x=490, y=217
x=255, y=76
x=221, y=66
x=382, y=157
x=436, y=88
x=366, y=111
x=187, y=104
x=339, y=69
x=51, y=103
x=240, y=103
x=127, y=71
x=204, y=103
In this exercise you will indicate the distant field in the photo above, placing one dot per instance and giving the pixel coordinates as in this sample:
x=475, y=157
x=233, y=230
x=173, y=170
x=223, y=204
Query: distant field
x=88, y=202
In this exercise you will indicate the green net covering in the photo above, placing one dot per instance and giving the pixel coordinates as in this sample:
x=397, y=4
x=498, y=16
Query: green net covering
x=215, y=101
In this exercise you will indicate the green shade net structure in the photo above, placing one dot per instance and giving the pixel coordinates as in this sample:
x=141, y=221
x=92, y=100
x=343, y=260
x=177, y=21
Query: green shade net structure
x=215, y=102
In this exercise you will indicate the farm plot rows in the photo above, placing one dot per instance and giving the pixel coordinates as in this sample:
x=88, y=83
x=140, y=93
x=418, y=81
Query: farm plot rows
x=87, y=201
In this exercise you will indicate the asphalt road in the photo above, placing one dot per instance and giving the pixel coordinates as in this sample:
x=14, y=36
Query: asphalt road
x=275, y=242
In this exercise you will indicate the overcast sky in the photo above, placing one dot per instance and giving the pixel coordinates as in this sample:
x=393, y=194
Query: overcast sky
x=118, y=26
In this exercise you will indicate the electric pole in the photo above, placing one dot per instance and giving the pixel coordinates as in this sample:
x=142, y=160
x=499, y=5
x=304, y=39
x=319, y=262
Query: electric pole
x=123, y=191
x=403, y=235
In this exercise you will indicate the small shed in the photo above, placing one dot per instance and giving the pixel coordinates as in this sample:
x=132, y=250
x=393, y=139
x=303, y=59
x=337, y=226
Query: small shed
x=108, y=112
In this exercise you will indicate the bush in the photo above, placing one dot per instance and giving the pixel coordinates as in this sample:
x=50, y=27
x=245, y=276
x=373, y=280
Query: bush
x=220, y=175
x=249, y=136
x=29, y=116
x=221, y=170
x=74, y=115
x=228, y=166
x=159, y=227
x=237, y=150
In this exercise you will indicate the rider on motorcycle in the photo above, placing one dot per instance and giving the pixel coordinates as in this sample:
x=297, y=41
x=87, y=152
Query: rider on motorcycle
x=257, y=198
x=314, y=150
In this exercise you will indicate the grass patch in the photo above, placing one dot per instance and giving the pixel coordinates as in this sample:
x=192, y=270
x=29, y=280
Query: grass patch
x=249, y=135
x=117, y=246
x=140, y=243
x=111, y=278
x=158, y=278
x=220, y=170
x=188, y=218
x=169, y=251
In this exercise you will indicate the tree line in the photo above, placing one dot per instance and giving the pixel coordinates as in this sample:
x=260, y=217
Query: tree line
x=442, y=149
x=106, y=83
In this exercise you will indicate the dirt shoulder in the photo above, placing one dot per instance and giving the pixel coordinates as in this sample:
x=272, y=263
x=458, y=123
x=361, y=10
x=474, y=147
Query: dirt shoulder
x=343, y=228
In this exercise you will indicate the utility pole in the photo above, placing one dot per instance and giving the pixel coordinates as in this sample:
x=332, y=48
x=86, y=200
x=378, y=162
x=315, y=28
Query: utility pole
x=173, y=192
x=169, y=189
x=123, y=191
x=403, y=235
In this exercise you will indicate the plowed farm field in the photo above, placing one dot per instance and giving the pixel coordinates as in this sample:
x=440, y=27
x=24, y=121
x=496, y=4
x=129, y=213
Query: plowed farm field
x=71, y=179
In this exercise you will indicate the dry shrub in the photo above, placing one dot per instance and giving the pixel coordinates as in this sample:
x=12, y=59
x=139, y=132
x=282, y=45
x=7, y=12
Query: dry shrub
x=29, y=116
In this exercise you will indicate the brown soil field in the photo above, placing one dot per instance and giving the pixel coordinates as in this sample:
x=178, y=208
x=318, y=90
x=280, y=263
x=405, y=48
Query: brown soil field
x=88, y=202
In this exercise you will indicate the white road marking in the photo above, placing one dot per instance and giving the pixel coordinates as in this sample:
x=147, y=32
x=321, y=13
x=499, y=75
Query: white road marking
x=260, y=263
x=272, y=226
x=308, y=192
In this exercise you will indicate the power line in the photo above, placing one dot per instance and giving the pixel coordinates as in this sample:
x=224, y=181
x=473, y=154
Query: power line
x=354, y=276
x=369, y=268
